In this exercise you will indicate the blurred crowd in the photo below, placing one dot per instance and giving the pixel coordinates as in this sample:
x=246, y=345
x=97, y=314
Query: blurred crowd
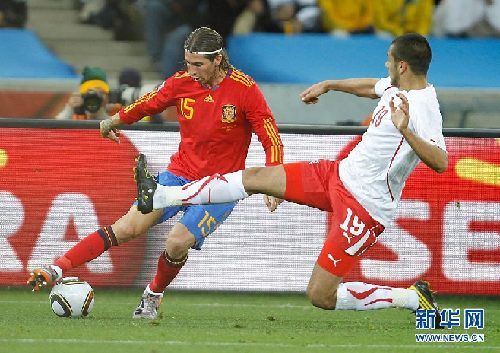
x=164, y=24
x=162, y=21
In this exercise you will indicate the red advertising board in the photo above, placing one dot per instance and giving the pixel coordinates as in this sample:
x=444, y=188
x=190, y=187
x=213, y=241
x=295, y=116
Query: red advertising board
x=58, y=185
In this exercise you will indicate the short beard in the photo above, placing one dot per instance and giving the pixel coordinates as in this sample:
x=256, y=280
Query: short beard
x=213, y=77
x=395, y=81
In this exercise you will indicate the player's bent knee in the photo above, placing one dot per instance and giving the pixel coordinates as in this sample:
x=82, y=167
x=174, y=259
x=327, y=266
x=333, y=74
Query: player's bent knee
x=125, y=232
x=323, y=302
x=177, y=246
x=132, y=225
x=321, y=299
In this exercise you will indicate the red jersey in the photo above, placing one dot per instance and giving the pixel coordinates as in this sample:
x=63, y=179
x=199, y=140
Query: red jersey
x=216, y=124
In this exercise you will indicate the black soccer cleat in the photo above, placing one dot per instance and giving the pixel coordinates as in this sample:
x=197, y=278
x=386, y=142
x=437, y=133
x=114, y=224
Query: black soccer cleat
x=146, y=185
x=426, y=300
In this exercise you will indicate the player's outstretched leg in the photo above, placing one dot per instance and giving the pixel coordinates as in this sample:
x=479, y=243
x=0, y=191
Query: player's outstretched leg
x=44, y=276
x=146, y=185
x=426, y=300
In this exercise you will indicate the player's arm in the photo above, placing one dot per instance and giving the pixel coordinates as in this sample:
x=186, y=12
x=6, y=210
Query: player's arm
x=433, y=156
x=263, y=124
x=361, y=87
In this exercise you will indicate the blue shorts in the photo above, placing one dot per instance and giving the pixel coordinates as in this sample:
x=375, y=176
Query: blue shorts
x=200, y=220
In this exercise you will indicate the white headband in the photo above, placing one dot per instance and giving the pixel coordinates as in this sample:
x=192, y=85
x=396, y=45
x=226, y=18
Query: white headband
x=204, y=52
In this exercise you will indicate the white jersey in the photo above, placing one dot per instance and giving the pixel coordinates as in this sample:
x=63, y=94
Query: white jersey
x=376, y=170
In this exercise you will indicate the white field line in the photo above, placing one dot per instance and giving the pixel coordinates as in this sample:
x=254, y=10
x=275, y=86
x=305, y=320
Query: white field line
x=41, y=341
x=215, y=305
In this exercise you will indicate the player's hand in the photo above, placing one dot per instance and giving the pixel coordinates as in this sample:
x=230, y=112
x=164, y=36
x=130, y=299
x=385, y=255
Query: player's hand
x=108, y=130
x=400, y=115
x=272, y=202
x=310, y=95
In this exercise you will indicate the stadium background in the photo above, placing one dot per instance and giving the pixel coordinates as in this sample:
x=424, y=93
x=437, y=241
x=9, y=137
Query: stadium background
x=57, y=185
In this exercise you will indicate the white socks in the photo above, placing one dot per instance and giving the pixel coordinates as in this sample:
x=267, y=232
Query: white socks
x=364, y=296
x=149, y=291
x=212, y=189
x=58, y=270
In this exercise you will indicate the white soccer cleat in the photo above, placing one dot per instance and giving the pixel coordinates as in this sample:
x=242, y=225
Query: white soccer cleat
x=148, y=307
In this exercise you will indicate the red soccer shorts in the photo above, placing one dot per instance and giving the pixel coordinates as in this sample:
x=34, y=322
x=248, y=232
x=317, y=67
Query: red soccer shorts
x=351, y=230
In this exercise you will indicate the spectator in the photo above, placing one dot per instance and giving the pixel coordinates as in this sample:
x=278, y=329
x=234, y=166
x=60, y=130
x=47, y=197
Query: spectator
x=256, y=17
x=467, y=18
x=90, y=102
x=231, y=10
x=90, y=10
x=123, y=17
x=167, y=23
x=342, y=18
x=396, y=17
x=129, y=87
x=13, y=13
x=127, y=19
x=296, y=16
x=130, y=77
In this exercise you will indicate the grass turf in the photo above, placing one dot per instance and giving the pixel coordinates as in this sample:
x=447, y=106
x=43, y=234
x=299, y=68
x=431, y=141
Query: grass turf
x=225, y=322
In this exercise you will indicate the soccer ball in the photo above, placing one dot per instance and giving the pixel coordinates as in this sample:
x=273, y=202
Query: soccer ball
x=72, y=297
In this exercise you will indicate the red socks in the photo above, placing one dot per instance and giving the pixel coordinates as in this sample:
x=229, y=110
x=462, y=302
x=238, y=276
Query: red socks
x=87, y=249
x=166, y=271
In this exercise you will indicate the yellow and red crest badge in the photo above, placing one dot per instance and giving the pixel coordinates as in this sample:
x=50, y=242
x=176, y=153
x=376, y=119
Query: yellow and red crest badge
x=228, y=113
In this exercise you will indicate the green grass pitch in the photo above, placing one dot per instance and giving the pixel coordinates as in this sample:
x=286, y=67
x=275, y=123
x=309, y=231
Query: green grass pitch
x=225, y=322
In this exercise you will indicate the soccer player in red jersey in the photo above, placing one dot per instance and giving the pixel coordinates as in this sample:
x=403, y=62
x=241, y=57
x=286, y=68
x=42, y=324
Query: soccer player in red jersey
x=218, y=108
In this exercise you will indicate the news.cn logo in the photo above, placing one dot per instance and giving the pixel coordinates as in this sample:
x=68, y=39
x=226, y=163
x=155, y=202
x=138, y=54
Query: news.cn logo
x=472, y=318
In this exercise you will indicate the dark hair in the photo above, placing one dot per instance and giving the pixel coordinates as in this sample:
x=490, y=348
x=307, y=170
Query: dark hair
x=205, y=39
x=415, y=50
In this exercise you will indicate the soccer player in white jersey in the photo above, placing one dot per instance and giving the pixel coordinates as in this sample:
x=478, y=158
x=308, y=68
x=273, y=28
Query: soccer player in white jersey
x=362, y=190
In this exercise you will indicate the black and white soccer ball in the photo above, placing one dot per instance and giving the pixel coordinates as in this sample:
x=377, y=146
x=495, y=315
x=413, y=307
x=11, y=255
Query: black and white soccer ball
x=72, y=297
